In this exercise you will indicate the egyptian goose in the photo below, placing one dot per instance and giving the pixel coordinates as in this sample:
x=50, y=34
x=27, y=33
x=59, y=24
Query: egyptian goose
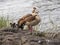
x=29, y=20
x=22, y=21
x=33, y=20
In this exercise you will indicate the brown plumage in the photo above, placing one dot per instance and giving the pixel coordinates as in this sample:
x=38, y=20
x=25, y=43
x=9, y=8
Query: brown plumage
x=22, y=20
x=30, y=18
x=27, y=18
x=27, y=15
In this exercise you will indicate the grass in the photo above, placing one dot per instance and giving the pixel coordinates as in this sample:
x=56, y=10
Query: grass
x=3, y=22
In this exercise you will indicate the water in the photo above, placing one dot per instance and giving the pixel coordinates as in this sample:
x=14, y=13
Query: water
x=49, y=11
x=15, y=8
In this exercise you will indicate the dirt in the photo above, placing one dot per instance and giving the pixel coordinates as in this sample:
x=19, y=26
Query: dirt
x=10, y=36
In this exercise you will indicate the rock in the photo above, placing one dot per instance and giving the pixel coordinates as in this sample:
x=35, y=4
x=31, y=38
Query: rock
x=23, y=39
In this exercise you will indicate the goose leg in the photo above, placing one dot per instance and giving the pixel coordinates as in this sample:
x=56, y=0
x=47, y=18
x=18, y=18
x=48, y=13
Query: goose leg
x=30, y=29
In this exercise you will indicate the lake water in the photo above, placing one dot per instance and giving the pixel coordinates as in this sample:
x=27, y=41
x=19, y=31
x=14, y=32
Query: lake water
x=49, y=11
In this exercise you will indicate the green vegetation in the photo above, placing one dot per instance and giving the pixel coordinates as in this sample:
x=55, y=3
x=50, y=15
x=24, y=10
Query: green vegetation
x=3, y=22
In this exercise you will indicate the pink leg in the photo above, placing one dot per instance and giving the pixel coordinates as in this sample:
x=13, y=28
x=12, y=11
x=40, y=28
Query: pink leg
x=30, y=28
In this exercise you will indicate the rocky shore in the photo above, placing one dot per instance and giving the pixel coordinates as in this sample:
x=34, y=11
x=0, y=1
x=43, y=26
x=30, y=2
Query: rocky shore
x=10, y=36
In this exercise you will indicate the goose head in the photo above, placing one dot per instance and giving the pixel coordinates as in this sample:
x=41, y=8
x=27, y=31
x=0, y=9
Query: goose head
x=34, y=11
